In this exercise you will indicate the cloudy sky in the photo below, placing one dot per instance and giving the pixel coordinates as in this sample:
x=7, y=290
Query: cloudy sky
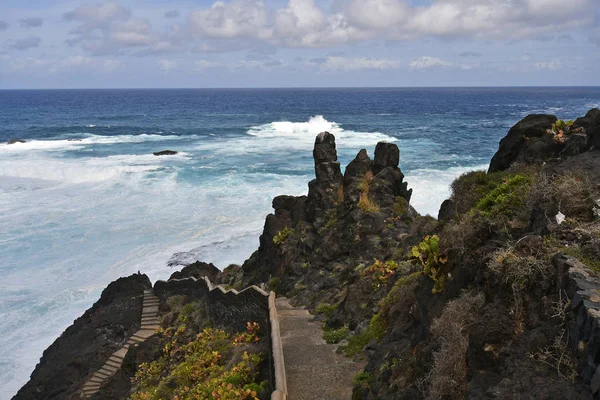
x=298, y=43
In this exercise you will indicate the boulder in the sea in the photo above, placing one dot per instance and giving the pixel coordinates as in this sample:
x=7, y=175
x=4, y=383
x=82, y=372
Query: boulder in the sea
x=13, y=141
x=165, y=153
x=524, y=140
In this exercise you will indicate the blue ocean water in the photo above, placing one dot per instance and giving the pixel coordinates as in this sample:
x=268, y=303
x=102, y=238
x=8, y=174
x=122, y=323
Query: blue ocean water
x=84, y=201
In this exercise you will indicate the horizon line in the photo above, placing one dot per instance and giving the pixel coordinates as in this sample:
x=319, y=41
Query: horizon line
x=310, y=87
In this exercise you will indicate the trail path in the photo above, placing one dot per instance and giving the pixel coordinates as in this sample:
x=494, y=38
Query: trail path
x=314, y=371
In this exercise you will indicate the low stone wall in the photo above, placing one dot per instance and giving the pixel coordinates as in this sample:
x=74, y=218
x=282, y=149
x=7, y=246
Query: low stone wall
x=582, y=286
x=230, y=309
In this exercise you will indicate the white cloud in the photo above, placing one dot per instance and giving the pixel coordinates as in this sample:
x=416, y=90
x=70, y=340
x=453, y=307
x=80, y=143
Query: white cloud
x=552, y=65
x=98, y=14
x=167, y=65
x=227, y=26
x=3, y=26
x=337, y=63
x=428, y=63
x=233, y=20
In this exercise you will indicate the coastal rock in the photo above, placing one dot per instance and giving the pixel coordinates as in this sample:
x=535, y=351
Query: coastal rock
x=386, y=155
x=327, y=189
x=13, y=141
x=576, y=144
x=447, y=211
x=85, y=346
x=591, y=124
x=165, y=153
x=324, y=150
x=197, y=270
x=527, y=139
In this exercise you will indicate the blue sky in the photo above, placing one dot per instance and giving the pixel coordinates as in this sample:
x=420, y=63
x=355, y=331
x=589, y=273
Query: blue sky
x=298, y=43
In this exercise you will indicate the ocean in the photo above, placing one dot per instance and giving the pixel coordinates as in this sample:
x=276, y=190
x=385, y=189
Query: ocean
x=84, y=201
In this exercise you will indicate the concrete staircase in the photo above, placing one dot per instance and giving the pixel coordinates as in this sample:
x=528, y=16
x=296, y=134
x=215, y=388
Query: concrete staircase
x=314, y=371
x=148, y=327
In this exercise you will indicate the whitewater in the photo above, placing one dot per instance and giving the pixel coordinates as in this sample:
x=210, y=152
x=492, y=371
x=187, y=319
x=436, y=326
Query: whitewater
x=84, y=201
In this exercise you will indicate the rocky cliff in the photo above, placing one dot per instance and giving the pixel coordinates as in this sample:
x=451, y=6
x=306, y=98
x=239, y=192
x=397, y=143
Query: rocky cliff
x=498, y=298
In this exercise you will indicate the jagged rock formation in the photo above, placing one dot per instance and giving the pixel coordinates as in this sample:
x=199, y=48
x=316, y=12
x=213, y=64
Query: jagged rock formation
x=85, y=346
x=514, y=318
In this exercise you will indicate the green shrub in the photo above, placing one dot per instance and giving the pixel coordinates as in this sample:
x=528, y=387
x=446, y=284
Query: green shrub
x=428, y=254
x=273, y=284
x=376, y=329
x=333, y=336
x=400, y=206
x=362, y=379
x=326, y=309
x=509, y=199
x=392, y=296
x=282, y=235
x=380, y=272
x=213, y=364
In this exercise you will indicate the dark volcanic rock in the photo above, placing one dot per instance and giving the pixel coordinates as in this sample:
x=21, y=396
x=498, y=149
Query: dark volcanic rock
x=197, y=270
x=165, y=153
x=86, y=345
x=576, y=144
x=447, y=211
x=527, y=134
x=591, y=124
x=386, y=155
x=13, y=141
x=327, y=189
x=324, y=150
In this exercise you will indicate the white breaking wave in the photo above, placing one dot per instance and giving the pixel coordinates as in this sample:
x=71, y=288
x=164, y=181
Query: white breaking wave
x=45, y=145
x=303, y=134
x=431, y=187
x=81, y=170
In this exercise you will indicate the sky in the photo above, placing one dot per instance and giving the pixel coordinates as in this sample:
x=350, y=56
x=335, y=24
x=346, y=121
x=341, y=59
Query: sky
x=298, y=43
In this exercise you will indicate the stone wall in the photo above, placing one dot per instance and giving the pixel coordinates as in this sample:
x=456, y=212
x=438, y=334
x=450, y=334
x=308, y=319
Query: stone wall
x=232, y=310
x=582, y=286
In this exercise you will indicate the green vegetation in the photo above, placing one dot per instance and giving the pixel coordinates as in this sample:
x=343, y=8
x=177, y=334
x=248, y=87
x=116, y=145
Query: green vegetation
x=273, y=284
x=282, y=235
x=428, y=254
x=400, y=206
x=561, y=129
x=380, y=272
x=376, y=329
x=210, y=365
x=362, y=379
x=326, y=309
x=507, y=200
x=333, y=336
x=332, y=215
x=392, y=296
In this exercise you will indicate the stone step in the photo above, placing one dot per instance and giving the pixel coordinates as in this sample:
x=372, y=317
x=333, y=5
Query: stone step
x=109, y=369
x=113, y=363
x=97, y=379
